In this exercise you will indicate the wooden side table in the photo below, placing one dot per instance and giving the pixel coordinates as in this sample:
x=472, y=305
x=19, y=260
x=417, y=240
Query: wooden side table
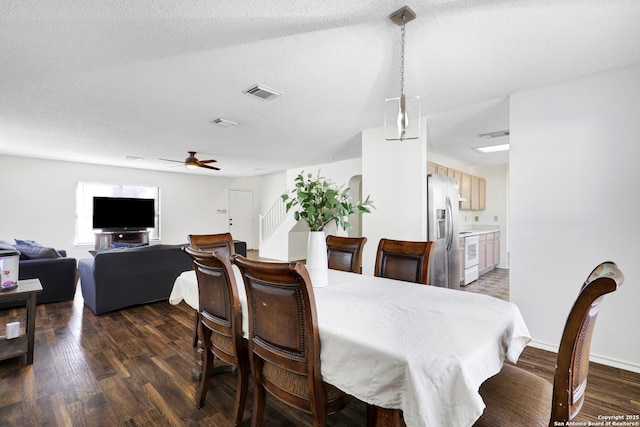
x=26, y=291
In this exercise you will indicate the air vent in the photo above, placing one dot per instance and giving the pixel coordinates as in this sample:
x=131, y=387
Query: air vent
x=496, y=134
x=263, y=92
x=224, y=122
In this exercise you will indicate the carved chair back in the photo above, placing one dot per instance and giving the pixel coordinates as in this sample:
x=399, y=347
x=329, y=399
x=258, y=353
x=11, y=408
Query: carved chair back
x=572, y=367
x=403, y=260
x=345, y=253
x=284, y=342
x=220, y=322
x=222, y=242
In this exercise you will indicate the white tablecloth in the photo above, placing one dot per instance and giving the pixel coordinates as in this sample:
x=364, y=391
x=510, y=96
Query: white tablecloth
x=186, y=288
x=401, y=345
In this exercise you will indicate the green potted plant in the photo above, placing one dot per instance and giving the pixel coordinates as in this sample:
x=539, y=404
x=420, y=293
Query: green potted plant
x=318, y=201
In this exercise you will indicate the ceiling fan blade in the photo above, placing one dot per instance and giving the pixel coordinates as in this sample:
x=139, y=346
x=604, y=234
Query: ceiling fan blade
x=210, y=167
x=193, y=161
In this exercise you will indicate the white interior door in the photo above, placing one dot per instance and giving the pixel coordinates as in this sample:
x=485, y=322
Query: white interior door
x=241, y=216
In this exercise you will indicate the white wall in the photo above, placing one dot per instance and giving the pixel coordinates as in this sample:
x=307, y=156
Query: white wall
x=394, y=173
x=271, y=187
x=290, y=241
x=496, y=213
x=574, y=203
x=339, y=172
x=39, y=200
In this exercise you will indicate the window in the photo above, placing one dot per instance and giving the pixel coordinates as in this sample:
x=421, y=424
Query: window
x=86, y=191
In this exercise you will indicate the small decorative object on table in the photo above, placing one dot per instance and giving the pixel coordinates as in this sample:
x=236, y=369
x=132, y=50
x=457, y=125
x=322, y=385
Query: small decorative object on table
x=319, y=202
x=9, y=265
x=7, y=286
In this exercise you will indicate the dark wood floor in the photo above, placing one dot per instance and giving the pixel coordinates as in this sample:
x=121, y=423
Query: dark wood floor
x=133, y=367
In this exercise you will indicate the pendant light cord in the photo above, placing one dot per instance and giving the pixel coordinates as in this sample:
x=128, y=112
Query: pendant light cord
x=402, y=123
x=402, y=56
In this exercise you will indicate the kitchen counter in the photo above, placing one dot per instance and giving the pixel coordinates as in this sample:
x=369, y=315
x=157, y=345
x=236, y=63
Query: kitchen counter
x=479, y=250
x=467, y=233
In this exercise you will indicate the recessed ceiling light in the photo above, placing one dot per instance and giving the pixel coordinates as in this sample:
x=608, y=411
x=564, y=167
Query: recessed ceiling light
x=492, y=148
x=224, y=123
x=134, y=158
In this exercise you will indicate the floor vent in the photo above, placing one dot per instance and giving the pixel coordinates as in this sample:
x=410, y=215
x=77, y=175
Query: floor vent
x=263, y=92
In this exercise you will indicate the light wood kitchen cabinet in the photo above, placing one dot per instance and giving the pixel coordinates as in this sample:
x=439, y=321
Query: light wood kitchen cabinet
x=456, y=175
x=488, y=252
x=471, y=187
x=431, y=168
x=491, y=262
x=496, y=248
x=482, y=253
x=465, y=191
x=451, y=173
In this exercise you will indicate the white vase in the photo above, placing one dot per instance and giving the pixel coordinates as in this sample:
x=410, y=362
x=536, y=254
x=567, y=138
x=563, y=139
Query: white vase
x=317, y=259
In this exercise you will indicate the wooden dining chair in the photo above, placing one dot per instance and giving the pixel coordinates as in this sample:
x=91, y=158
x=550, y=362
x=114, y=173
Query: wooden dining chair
x=220, y=326
x=223, y=243
x=403, y=260
x=345, y=253
x=514, y=395
x=284, y=342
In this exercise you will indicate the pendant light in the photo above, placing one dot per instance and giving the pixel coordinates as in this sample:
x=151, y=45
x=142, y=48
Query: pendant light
x=402, y=114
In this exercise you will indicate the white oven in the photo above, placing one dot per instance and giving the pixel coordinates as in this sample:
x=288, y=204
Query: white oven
x=471, y=254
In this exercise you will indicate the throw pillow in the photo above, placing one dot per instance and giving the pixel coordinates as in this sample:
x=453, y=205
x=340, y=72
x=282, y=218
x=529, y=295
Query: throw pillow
x=27, y=242
x=36, y=252
x=6, y=245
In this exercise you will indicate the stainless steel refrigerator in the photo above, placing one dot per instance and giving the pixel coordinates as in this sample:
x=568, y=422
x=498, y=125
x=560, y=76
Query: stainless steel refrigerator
x=442, y=228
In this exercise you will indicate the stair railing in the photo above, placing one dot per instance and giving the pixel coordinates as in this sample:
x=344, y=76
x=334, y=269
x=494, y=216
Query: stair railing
x=270, y=221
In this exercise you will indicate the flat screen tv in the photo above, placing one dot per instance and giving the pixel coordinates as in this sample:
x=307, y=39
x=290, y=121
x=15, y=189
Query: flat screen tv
x=123, y=213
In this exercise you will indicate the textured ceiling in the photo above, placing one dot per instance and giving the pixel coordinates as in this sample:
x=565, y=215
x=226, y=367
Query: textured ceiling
x=91, y=81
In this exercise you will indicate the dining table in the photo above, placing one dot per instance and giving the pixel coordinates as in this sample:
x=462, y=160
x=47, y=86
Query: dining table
x=398, y=345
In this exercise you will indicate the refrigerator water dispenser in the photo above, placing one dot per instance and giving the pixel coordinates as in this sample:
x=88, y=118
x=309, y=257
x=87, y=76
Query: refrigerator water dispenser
x=441, y=226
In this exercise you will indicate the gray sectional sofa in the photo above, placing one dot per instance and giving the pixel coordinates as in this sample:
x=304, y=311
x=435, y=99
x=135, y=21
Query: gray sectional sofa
x=120, y=278
x=57, y=273
x=58, y=277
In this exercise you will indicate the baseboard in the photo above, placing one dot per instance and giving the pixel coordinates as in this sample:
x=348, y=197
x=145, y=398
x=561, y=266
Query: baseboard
x=633, y=367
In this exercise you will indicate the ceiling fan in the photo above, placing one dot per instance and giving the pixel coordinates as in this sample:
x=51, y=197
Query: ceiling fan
x=192, y=162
